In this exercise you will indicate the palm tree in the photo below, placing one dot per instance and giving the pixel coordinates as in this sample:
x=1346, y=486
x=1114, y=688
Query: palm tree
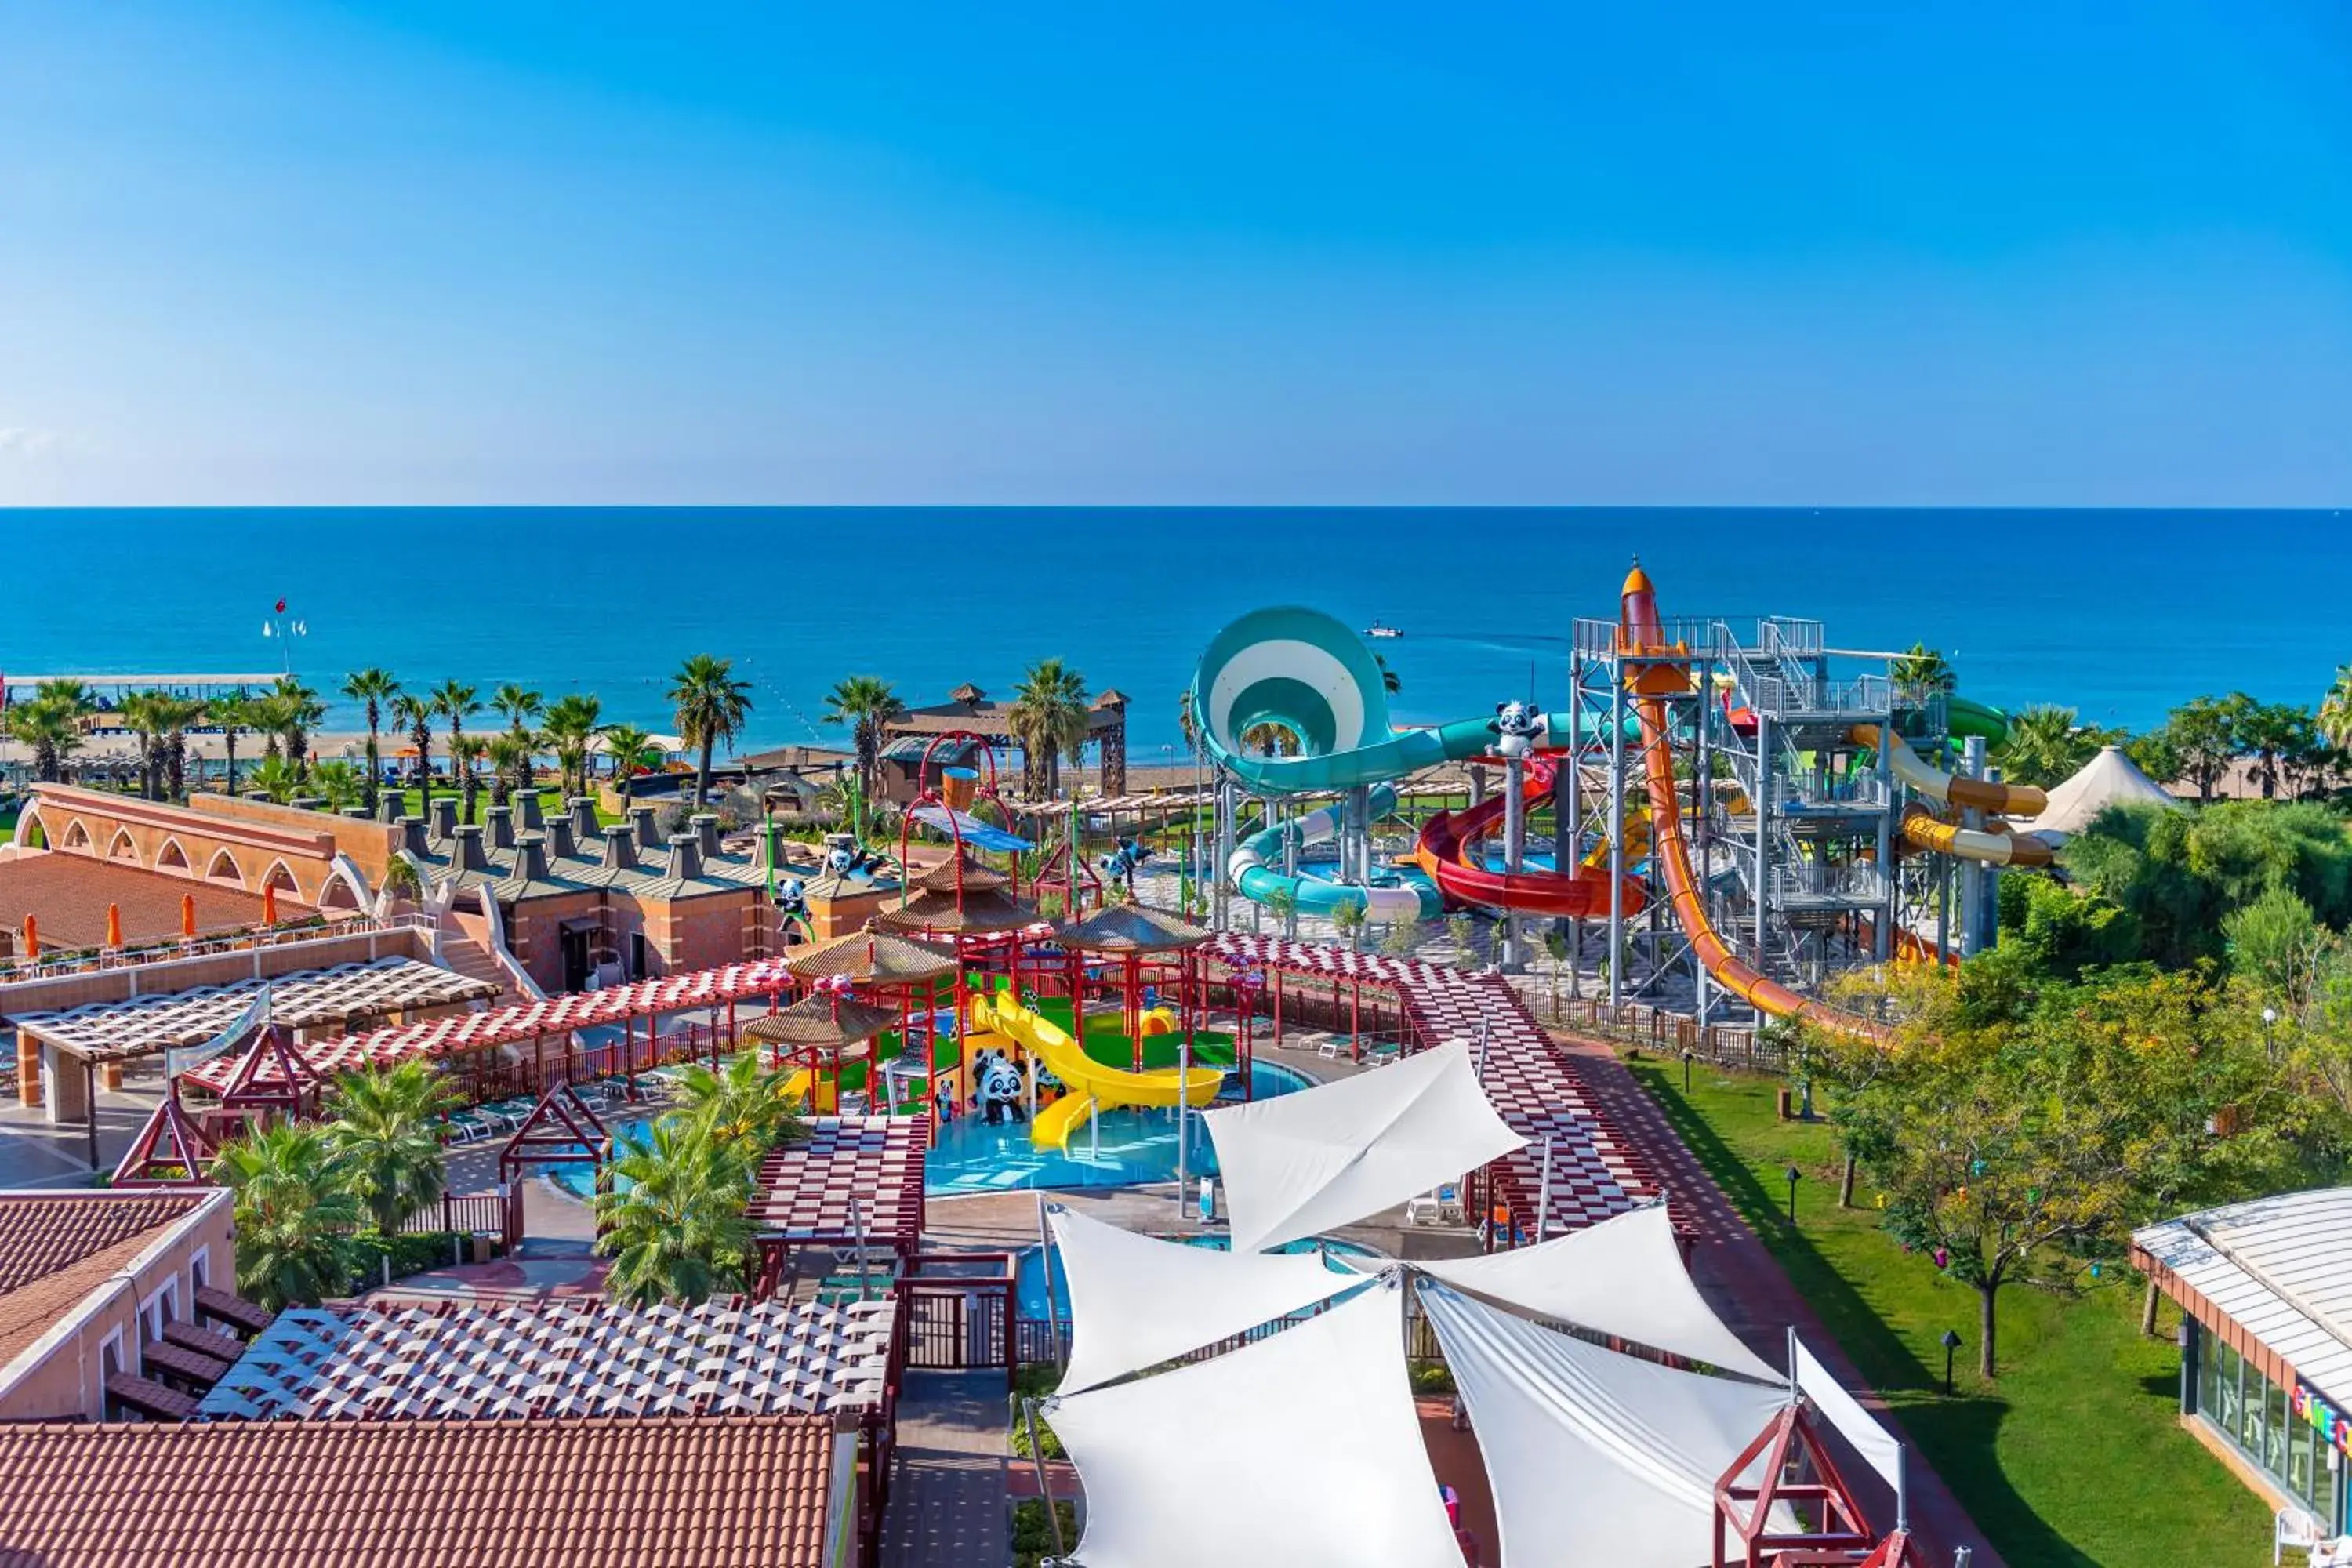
x=674, y=1223
x=292, y=1214
x=298, y=711
x=178, y=713
x=374, y=688
x=142, y=714
x=629, y=747
x=2272, y=730
x=49, y=724
x=455, y=702
x=386, y=1140
x=2043, y=746
x=1920, y=673
x=1190, y=726
x=519, y=705
x=339, y=784
x=864, y=703
x=710, y=706
x=743, y=1104
x=571, y=722
x=274, y=776
x=2335, y=708
x=1048, y=720
x=1271, y=739
x=464, y=750
x=415, y=714
x=233, y=711
x=510, y=757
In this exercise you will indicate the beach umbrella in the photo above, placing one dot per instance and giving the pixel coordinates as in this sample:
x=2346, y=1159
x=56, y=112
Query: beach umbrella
x=32, y=938
x=114, y=925
x=188, y=916
x=270, y=903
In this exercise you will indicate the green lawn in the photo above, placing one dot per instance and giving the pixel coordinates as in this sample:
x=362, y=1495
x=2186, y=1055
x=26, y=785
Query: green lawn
x=2073, y=1455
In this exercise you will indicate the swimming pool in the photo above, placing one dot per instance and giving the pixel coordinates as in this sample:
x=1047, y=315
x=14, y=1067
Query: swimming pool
x=1029, y=1292
x=1124, y=1149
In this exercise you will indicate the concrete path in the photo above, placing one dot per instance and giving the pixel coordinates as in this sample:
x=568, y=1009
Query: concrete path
x=948, y=1505
x=1745, y=1283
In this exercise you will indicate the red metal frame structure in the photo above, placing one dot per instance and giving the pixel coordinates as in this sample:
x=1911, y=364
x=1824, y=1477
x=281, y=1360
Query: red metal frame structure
x=269, y=1078
x=1837, y=1535
x=169, y=1141
x=562, y=1129
x=961, y=1280
x=932, y=796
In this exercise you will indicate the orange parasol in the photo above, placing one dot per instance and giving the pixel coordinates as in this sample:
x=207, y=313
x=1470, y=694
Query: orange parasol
x=270, y=903
x=114, y=925
x=32, y=938
x=188, y=916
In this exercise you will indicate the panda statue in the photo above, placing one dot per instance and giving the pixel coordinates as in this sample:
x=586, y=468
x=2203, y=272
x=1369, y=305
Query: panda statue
x=1516, y=724
x=995, y=1089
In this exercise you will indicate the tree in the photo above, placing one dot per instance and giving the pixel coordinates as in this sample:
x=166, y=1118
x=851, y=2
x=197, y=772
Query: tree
x=1920, y=673
x=2335, y=718
x=292, y=1214
x=571, y=722
x=179, y=714
x=465, y=753
x=142, y=715
x=1282, y=903
x=1048, y=721
x=1558, y=948
x=372, y=688
x=709, y=705
x=455, y=702
x=275, y=777
x=510, y=757
x=2157, y=755
x=296, y=711
x=865, y=703
x=519, y=705
x=674, y=1223
x=2180, y=873
x=742, y=1104
x=415, y=715
x=2204, y=733
x=2275, y=946
x=338, y=785
x=2271, y=731
x=385, y=1139
x=233, y=711
x=2043, y=746
x=1185, y=722
x=48, y=722
x=1271, y=739
x=1347, y=919
x=630, y=749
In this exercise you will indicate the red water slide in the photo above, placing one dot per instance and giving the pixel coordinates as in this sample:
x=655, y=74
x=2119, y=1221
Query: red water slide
x=1447, y=851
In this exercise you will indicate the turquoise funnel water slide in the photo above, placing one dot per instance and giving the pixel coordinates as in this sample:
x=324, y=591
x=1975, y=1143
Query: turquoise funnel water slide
x=1304, y=672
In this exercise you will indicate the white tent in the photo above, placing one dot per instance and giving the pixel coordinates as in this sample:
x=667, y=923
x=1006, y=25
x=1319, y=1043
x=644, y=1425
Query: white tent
x=1622, y=1276
x=1594, y=1457
x=2111, y=778
x=1304, y=1163
x=1136, y=1302
x=1873, y=1441
x=1301, y=1449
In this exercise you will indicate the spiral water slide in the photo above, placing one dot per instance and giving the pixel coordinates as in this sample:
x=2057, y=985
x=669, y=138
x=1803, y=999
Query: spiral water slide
x=1448, y=851
x=1639, y=631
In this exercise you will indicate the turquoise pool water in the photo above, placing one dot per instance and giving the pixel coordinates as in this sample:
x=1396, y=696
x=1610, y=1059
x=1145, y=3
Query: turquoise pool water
x=1029, y=1292
x=1122, y=1148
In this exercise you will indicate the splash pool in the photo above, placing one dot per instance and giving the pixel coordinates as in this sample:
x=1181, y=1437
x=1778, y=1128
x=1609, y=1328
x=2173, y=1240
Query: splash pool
x=1124, y=1149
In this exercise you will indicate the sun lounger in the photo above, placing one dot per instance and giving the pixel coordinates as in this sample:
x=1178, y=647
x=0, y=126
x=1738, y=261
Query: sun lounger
x=1422, y=1209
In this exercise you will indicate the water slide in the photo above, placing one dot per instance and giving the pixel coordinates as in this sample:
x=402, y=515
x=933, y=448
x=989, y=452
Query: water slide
x=1091, y=1086
x=1639, y=628
x=1449, y=852
x=1301, y=671
x=1924, y=829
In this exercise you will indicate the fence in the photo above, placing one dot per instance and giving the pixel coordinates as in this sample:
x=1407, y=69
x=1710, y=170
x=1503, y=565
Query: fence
x=479, y=1213
x=1671, y=1033
x=483, y=1078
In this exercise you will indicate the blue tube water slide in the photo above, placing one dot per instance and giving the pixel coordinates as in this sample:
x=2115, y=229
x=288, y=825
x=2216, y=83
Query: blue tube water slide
x=1305, y=672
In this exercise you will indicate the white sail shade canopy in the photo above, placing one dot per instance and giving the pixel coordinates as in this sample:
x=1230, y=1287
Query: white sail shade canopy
x=1873, y=1441
x=1622, y=1276
x=1306, y=1162
x=1301, y=1449
x=1136, y=1302
x=1595, y=1458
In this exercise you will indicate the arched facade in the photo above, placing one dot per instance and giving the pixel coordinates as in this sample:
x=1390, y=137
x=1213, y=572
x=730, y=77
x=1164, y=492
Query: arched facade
x=309, y=858
x=172, y=858
x=123, y=848
x=76, y=839
x=224, y=868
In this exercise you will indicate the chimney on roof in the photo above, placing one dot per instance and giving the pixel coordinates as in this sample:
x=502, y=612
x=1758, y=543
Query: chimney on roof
x=412, y=836
x=530, y=857
x=465, y=851
x=389, y=807
x=584, y=817
x=706, y=833
x=685, y=856
x=648, y=831
x=358, y=814
x=260, y=796
x=445, y=815
x=500, y=820
x=527, y=814
x=306, y=803
x=620, y=847
x=559, y=838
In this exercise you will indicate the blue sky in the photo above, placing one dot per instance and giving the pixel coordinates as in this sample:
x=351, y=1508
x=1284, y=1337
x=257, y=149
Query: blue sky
x=1709, y=252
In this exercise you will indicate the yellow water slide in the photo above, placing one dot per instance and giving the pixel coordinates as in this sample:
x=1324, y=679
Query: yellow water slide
x=1091, y=1086
x=1924, y=829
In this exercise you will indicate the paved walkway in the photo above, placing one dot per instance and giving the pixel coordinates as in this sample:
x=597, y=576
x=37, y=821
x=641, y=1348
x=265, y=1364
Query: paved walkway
x=1745, y=1283
x=947, y=1499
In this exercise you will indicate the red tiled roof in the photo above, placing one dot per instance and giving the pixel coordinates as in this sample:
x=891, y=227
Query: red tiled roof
x=596, y=1492
x=68, y=894
x=57, y=1247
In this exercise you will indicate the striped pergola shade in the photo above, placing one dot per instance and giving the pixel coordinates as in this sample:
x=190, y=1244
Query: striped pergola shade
x=560, y=1358
x=803, y=1190
x=1596, y=1171
x=465, y=1032
x=117, y=1031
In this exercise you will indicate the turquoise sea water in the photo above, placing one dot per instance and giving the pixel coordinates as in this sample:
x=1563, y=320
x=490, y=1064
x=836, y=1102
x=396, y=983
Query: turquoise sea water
x=2119, y=614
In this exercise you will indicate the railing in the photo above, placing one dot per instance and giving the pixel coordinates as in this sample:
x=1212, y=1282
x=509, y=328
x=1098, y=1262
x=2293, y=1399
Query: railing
x=312, y=928
x=1849, y=884
x=477, y=1213
x=481, y=1079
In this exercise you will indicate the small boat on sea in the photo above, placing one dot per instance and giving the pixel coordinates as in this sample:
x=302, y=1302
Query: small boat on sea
x=1376, y=630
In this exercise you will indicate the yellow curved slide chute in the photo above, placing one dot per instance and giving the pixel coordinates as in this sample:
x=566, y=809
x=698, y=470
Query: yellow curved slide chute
x=1091, y=1086
x=1925, y=830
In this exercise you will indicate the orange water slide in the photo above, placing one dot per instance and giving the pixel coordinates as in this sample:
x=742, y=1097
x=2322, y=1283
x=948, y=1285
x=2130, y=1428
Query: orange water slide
x=1639, y=630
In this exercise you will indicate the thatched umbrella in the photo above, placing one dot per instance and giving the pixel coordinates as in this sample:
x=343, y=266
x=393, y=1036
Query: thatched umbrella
x=1131, y=932
x=841, y=1026
x=874, y=961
